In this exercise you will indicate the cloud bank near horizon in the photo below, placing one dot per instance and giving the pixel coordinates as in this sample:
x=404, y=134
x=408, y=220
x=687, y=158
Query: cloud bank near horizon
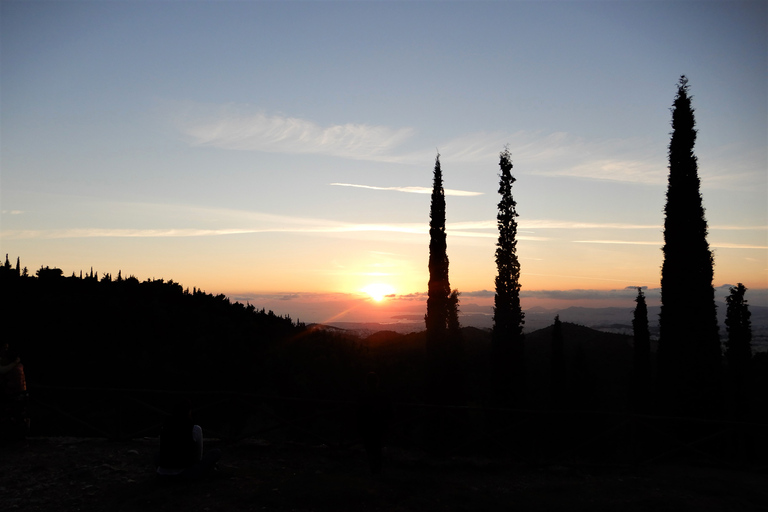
x=755, y=296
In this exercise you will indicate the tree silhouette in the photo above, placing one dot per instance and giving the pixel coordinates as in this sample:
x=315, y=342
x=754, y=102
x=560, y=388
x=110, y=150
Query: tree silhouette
x=641, y=352
x=442, y=321
x=689, y=354
x=507, y=333
x=738, y=348
x=558, y=364
x=453, y=324
x=439, y=288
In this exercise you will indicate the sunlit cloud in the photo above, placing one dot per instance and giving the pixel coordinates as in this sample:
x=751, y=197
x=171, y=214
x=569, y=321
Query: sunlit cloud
x=412, y=190
x=617, y=242
x=717, y=245
x=120, y=233
x=185, y=221
x=12, y=212
x=720, y=245
x=565, y=224
x=739, y=228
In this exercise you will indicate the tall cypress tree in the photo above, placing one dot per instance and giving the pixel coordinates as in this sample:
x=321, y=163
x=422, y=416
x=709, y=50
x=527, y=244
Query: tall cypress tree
x=439, y=289
x=442, y=322
x=508, y=316
x=689, y=353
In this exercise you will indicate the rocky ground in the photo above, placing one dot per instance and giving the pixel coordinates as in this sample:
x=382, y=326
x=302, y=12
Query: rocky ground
x=85, y=474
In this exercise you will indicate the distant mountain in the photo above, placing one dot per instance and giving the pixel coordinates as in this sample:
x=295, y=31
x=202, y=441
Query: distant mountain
x=598, y=364
x=613, y=319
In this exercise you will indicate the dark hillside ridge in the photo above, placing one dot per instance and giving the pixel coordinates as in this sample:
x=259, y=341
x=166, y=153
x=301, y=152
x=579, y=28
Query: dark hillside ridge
x=73, y=331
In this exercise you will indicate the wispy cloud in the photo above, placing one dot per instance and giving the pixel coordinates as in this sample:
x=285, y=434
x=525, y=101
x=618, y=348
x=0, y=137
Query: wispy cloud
x=723, y=245
x=617, y=242
x=230, y=129
x=567, y=224
x=123, y=233
x=411, y=190
x=636, y=160
x=715, y=245
x=631, y=159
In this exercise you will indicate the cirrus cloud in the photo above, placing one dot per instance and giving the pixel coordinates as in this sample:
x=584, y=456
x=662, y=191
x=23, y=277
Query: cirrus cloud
x=282, y=134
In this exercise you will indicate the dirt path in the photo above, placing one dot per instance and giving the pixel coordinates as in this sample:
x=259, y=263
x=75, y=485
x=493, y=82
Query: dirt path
x=72, y=474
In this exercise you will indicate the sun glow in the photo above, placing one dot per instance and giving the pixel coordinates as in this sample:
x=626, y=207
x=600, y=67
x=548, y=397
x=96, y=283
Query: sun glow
x=378, y=291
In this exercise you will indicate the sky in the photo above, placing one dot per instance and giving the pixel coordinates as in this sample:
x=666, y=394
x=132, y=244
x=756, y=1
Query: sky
x=282, y=153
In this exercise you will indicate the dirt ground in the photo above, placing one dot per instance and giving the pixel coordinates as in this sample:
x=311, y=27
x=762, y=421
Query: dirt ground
x=85, y=474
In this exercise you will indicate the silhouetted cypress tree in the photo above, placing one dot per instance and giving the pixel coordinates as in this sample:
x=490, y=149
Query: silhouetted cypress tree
x=558, y=363
x=738, y=348
x=439, y=289
x=642, y=352
x=442, y=320
x=507, y=334
x=689, y=353
x=454, y=326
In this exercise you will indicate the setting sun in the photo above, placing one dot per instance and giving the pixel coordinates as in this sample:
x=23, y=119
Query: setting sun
x=378, y=291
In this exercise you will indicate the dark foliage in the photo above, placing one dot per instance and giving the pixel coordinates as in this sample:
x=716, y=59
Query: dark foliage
x=439, y=288
x=125, y=333
x=508, y=317
x=558, y=375
x=641, y=358
x=689, y=353
x=444, y=345
x=738, y=348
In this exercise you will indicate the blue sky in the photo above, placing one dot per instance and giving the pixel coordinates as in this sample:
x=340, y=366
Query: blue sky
x=280, y=150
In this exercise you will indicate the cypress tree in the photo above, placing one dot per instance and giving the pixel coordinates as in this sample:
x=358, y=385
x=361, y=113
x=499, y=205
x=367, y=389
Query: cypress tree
x=439, y=289
x=738, y=348
x=689, y=353
x=453, y=324
x=641, y=351
x=508, y=317
x=445, y=376
x=558, y=364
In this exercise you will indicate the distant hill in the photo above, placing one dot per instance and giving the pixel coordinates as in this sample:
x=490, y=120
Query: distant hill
x=613, y=319
x=598, y=365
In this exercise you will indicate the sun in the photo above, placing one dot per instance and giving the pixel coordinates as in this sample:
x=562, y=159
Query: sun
x=378, y=291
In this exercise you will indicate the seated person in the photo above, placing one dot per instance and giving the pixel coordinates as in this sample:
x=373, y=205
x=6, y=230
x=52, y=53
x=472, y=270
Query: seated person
x=181, y=446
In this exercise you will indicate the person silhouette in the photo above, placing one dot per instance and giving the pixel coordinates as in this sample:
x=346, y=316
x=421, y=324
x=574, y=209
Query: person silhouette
x=374, y=415
x=181, y=446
